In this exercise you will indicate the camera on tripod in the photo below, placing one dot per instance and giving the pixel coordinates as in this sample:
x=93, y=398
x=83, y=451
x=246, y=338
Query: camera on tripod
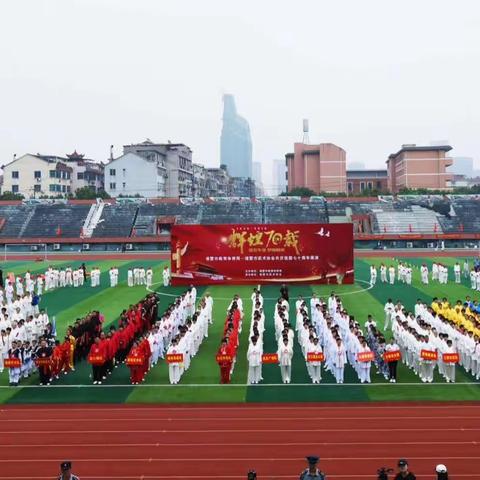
x=382, y=473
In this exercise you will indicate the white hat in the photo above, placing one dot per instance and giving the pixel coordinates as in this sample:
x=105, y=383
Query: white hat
x=441, y=468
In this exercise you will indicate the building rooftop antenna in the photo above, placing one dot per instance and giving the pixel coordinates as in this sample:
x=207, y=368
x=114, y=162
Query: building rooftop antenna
x=306, y=137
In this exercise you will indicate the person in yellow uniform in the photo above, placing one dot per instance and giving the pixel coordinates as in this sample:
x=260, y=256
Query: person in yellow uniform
x=71, y=360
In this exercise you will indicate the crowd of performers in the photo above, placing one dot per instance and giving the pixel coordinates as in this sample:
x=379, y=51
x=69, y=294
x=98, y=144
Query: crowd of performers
x=439, y=273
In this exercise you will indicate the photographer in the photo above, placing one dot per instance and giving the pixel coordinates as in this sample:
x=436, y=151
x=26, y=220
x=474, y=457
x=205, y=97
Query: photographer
x=441, y=471
x=403, y=472
x=312, y=472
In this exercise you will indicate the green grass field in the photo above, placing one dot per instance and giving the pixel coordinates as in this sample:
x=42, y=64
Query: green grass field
x=200, y=382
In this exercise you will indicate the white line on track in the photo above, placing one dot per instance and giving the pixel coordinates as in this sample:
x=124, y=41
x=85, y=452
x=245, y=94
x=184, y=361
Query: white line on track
x=207, y=477
x=300, y=407
x=186, y=459
x=228, y=444
x=230, y=419
x=292, y=430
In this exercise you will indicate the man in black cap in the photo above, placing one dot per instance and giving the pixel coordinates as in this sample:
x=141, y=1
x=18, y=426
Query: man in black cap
x=403, y=472
x=66, y=469
x=312, y=472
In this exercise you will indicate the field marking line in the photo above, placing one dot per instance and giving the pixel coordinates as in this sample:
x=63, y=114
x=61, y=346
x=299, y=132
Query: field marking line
x=362, y=290
x=243, y=385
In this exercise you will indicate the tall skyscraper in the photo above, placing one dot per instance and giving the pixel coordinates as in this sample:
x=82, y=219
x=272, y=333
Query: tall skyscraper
x=279, y=179
x=235, y=141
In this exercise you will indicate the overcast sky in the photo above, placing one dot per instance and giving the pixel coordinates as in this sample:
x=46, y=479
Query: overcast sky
x=370, y=75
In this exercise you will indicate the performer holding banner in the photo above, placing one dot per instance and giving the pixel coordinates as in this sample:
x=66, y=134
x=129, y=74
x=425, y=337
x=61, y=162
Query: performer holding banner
x=314, y=358
x=364, y=359
x=224, y=360
x=43, y=357
x=96, y=358
x=450, y=358
x=135, y=361
x=392, y=356
x=175, y=368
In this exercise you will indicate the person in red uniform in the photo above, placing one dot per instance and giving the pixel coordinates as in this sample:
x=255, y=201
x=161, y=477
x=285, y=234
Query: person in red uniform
x=136, y=371
x=97, y=350
x=57, y=360
x=225, y=365
x=146, y=352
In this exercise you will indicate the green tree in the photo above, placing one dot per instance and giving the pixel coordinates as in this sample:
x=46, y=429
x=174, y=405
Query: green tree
x=11, y=196
x=301, y=192
x=88, y=193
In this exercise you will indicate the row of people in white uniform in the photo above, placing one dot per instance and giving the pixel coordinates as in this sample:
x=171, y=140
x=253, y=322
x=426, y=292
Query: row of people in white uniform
x=463, y=341
x=182, y=331
x=137, y=276
x=439, y=273
x=412, y=336
x=21, y=331
x=340, y=337
x=255, y=346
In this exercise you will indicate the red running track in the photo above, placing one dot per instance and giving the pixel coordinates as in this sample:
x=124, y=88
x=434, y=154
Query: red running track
x=225, y=441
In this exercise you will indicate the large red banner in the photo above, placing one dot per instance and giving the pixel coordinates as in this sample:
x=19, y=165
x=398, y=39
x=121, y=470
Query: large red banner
x=276, y=253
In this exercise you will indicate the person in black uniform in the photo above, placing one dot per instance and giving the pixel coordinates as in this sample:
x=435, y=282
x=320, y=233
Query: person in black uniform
x=1, y=279
x=284, y=292
x=44, y=371
x=403, y=472
x=312, y=472
x=66, y=472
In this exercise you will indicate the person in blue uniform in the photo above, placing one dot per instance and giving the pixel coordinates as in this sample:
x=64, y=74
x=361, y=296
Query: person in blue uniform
x=312, y=472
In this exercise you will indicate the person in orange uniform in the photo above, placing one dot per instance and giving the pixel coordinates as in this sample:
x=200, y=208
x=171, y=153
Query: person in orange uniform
x=225, y=365
x=136, y=371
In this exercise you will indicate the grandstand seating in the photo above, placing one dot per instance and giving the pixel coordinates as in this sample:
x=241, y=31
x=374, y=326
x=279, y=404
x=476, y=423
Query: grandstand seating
x=15, y=218
x=46, y=219
x=294, y=210
x=464, y=217
x=116, y=220
x=386, y=214
x=236, y=211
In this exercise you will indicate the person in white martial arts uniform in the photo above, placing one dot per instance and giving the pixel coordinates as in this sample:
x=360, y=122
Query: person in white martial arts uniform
x=426, y=366
x=424, y=274
x=149, y=277
x=373, y=274
x=166, y=276
x=130, y=280
x=389, y=310
x=391, y=274
x=315, y=366
x=364, y=367
x=254, y=357
x=383, y=273
x=434, y=271
x=174, y=369
x=449, y=368
x=339, y=359
x=142, y=276
x=285, y=354
x=457, y=272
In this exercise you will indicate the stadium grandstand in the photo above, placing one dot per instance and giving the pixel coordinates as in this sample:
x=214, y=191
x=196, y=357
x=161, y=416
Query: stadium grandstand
x=138, y=224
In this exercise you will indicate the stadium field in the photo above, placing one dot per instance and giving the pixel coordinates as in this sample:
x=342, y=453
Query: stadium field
x=201, y=382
